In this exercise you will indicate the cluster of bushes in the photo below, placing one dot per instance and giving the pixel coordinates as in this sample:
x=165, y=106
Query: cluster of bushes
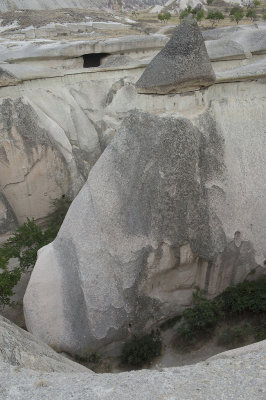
x=247, y=299
x=23, y=246
x=198, y=13
x=164, y=17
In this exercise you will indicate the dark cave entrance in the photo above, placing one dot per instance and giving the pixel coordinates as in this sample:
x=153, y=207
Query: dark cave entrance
x=93, y=59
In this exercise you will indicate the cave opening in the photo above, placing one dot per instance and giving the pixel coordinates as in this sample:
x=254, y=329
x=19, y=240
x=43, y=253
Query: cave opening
x=93, y=59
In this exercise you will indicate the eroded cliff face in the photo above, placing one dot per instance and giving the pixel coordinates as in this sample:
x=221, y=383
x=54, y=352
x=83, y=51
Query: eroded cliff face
x=174, y=202
x=55, y=121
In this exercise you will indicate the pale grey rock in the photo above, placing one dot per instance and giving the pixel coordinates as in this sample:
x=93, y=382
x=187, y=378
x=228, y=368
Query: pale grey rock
x=6, y=77
x=253, y=41
x=218, y=33
x=43, y=157
x=225, y=49
x=245, y=72
x=117, y=61
x=15, y=51
x=239, y=376
x=146, y=229
x=21, y=349
x=79, y=111
x=183, y=65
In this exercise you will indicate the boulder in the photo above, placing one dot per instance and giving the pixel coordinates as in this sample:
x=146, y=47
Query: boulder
x=147, y=228
x=182, y=65
x=21, y=349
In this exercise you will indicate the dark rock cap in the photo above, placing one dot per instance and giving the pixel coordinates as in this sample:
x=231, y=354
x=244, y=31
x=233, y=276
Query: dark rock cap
x=181, y=66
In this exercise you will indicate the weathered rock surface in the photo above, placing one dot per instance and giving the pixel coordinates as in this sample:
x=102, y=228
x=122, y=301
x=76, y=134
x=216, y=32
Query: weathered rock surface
x=168, y=206
x=7, y=5
x=77, y=111
x=183, y=64
x=21, y=349
x=239, y=375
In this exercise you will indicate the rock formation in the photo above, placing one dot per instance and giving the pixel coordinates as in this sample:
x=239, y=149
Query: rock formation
x=21, y=349
x=183, y=64
x=160, y=214
x=77, y=111
x=234, y=374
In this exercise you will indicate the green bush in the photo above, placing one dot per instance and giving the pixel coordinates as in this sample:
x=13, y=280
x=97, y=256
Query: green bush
x=246, y=298
x=251, y=13
x=236, y=14
x=142, y=350
x=23, y=245
x=215, y=16
x=164, y=17
x=204, y=315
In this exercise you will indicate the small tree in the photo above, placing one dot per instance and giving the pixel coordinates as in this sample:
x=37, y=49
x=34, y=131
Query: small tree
x=185, y=12
x=164, y=17
x=209, y=2
x=215, y=16
x=23, y=245
x=236, y=14
x=251, y=13
x=197, y=13
x=200, y=15
x=167, y=16
x=160, y=17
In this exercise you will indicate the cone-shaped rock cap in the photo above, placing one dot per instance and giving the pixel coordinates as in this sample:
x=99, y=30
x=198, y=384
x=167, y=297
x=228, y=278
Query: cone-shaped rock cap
x=181, y=66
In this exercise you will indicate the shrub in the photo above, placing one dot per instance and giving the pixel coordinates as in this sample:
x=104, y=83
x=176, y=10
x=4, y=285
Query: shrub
x=215, y=16
x=164, y=17
x=244, y=297
x=23, y=245
x=236, y=14
x=251, y=13
x=185, y=12
x=204, y=315
x=142, y=350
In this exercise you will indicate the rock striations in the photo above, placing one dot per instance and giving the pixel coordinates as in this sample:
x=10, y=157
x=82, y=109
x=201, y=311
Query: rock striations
x=183, y=64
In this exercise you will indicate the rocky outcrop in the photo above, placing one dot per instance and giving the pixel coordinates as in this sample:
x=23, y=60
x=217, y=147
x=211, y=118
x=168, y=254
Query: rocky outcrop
x=76, y=111
x=183, y=64
x=7, y=5
x=232, y=375
x=21, y=349
x=168, y=207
